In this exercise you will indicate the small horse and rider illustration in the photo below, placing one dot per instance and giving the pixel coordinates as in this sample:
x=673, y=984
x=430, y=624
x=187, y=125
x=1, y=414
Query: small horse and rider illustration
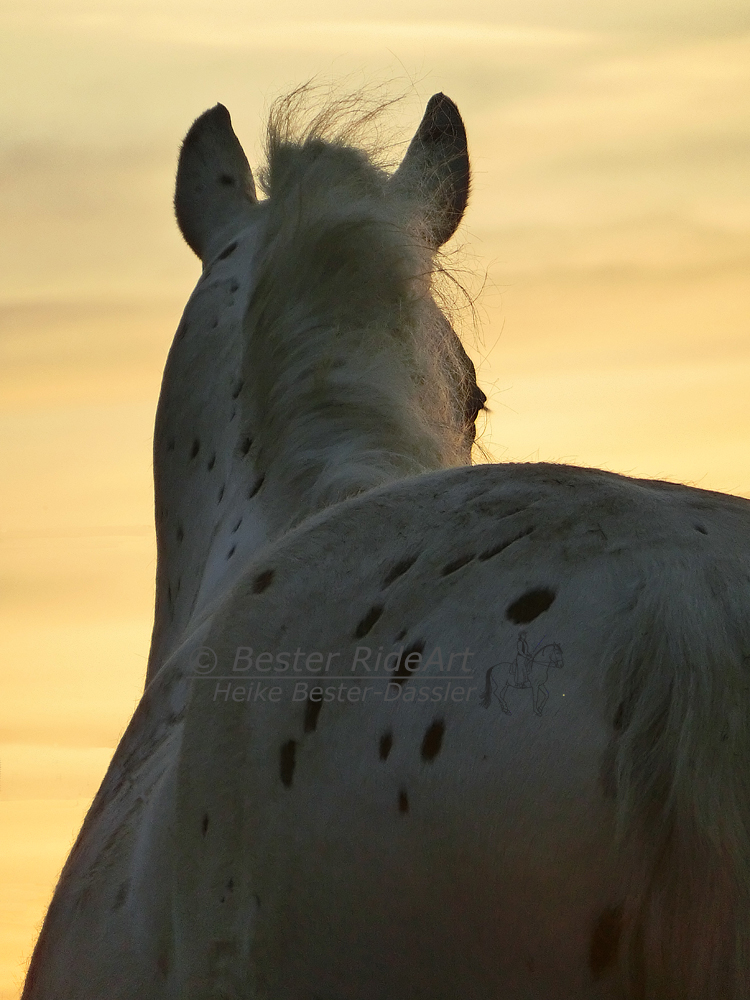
x=528, y=670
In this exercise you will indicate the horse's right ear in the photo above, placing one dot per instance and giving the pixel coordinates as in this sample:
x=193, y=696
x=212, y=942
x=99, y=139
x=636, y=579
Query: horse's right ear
x=435, y=170
x=215, y=192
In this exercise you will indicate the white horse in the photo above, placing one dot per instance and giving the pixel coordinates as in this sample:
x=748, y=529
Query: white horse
x=310, y=802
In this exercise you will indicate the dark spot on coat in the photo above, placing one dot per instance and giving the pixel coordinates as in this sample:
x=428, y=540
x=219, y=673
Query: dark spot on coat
x=262, y=581
x=701, y=528
x=196, y=448
x=605, y=941
x=286, y=762
x=245, y=445
x=402, y=673
x=386, y=742
x=312, y=711
x=497, y=549
x=204, y=824
x=456, y=564
x=368, y=621
x=122, y=894
x=403, y=801
x=256, y=486
x=530, y=605
x=619, y=716
x=398, y=570
x=227, y=180
x=228, y=251
x=433, y=740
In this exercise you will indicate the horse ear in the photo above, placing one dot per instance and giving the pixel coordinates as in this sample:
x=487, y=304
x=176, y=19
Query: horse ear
x=435, y=169
x=215, y=192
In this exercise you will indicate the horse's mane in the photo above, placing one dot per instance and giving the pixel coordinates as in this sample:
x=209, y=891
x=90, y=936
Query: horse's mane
x=347, y=353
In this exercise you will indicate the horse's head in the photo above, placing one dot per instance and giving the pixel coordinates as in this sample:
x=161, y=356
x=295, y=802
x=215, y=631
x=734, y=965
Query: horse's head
x=312, y=361
x=354, y=239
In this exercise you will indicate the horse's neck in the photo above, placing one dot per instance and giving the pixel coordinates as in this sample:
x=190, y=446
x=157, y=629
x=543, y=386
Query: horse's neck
x=208, y=515
x=338, y=382
x=264, y=419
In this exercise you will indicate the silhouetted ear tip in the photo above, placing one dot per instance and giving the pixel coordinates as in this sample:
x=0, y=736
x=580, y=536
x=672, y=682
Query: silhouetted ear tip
x=215, y=116
x=438, y=99
x=220, y=112
x=442, y=118
x=209, y=120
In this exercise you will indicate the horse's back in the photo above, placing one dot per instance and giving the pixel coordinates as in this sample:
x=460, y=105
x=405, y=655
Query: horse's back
x=343, y=815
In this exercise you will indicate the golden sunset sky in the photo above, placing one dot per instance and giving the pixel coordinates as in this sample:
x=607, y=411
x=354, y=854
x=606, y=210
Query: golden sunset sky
x=610, y=214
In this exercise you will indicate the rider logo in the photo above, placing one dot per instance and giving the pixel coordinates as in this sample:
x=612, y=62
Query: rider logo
x=529, y=670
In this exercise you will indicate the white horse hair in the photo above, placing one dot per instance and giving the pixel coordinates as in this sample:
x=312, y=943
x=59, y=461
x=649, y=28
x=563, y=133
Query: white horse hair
x=273, y=827
x=359, y=377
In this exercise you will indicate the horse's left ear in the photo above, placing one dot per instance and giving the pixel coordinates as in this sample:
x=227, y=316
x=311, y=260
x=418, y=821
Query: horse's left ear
x=215, y=193
x=435, y=169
